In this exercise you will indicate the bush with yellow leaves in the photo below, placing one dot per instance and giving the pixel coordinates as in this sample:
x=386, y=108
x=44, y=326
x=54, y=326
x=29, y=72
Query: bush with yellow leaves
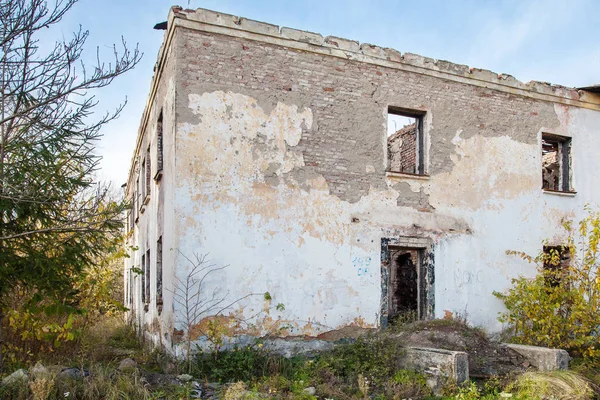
x=560, y=306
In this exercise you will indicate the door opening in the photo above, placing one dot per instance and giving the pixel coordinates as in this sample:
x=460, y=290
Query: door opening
x=407, y=279
x=403, y=284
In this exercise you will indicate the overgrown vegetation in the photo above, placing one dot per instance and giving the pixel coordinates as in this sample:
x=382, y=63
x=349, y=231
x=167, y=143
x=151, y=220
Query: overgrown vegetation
x=57, y=223
x=361, y=369
x=560, y=306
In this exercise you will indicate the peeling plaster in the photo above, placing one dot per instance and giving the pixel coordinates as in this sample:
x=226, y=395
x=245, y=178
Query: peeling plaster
x=231, y=206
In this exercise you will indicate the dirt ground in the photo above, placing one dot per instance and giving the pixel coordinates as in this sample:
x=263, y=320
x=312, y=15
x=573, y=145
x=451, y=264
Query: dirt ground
x=486, y=357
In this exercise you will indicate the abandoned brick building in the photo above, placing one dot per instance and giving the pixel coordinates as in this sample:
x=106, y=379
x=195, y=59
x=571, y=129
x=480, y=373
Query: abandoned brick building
x=351, y=182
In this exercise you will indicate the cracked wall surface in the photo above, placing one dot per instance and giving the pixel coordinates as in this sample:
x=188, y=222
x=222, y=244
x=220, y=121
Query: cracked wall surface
x=279, y=172
x=278, y=150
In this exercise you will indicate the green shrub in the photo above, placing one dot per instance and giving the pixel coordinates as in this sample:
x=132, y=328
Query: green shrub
x=375, y=357
x=407, y=384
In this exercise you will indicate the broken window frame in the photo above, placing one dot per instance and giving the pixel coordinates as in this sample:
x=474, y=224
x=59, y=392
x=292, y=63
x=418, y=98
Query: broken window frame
x=130, y=288
x=159, y=274
x=136, y=214
x=143, y=269
x=147, y=280
x=131, y=213
x=159, y=147
x=564, y=162
x=419, y=117
x=554, y=272
x=148, y=178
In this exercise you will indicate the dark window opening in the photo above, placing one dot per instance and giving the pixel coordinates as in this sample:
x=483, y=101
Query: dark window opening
x=130, y=297
x=159, y=147
x=143, y=182
x=142, y=187
x=556, y=163
x=556, y=261
x=404, y=284
x=148, y=175
x=147, y=281
x=142, y=268
x=136, y=200
x=405, y=142
x=159, y=275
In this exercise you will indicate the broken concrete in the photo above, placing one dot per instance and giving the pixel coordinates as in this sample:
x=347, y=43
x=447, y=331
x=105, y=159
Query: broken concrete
x=437, y=365
x=543, y=358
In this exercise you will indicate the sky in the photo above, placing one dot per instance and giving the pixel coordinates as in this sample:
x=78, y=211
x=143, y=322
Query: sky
x=555, y=41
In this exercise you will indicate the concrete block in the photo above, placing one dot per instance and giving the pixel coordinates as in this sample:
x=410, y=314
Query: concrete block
x=293, y=347
x=302, y=36
x=210, y=17
x=392, y=54
x=452, y=68
x=510, y=80
x=258, y=27
x=543, y=358
x=372, y=50
x=342, y=44
x=484, y=74
x=230, y=21
x=540, y=87
x=415, y=59
x=449, y=364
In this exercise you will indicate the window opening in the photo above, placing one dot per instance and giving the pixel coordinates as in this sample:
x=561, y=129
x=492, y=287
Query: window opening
x=143, y=182
x=136, y=200
x=556, y=163
x=159, y=147
x=405, y=142
x=556, y=264
x=130, y=288
x=159, y=275
x=148, y=175
x=147, y=282
x=144, y=277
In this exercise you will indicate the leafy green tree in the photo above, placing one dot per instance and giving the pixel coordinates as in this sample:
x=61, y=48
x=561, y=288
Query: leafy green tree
x=54, y=218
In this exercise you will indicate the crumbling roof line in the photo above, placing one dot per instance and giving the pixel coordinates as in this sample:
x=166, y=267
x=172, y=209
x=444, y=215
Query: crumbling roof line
x=226, y=24
x=215, y=22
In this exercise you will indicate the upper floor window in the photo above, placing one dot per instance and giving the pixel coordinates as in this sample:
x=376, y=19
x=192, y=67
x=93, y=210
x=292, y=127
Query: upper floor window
x=405, y=144
x=159, y=147
x=556, y=163
x=148, y=173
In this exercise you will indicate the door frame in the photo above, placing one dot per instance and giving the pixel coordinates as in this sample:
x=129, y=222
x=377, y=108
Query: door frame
x=425, y=273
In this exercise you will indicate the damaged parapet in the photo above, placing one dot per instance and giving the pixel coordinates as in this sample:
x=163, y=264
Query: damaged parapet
x=212, y=21
x=543, y=358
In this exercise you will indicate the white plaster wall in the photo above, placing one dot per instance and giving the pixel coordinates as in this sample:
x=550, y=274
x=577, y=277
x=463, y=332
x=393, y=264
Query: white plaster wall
x=151, y=224
x=299, y=243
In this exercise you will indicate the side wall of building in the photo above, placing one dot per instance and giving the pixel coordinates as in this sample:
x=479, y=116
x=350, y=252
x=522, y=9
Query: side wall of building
x=281, y=177
x=150, y=229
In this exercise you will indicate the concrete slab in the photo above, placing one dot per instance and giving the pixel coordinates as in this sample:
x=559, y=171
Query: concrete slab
x=437, y=365
x=543, y=358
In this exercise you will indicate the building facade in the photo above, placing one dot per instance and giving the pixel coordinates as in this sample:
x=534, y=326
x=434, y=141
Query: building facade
x=266, y=153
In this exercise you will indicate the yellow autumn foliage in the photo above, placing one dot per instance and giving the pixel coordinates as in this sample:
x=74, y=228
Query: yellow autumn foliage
x=560, y=306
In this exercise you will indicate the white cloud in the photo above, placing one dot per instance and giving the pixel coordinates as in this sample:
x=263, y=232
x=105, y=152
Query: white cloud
x=503, y=35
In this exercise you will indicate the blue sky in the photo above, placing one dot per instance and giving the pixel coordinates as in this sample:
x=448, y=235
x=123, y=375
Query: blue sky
x=550, y=40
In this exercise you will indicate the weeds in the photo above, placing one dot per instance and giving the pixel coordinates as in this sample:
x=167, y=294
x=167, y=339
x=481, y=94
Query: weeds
x=556, y=385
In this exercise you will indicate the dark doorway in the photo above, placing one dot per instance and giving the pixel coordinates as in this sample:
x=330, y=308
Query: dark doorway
x=403, y=285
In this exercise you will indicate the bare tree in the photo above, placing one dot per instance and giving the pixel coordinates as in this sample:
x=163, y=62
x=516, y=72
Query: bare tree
x=199, y=301
x=54, y=218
